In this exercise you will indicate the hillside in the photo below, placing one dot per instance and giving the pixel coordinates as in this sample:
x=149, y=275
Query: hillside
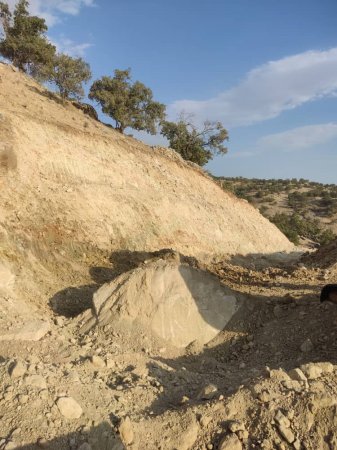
x=72, y=189
x=314, y=203
x=144, y=307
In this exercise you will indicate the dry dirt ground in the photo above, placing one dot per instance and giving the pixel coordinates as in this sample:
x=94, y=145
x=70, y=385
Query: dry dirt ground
x=81, y=205
x=238, y=392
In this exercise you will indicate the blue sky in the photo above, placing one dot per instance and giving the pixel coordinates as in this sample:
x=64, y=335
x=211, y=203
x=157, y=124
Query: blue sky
x=267, y=69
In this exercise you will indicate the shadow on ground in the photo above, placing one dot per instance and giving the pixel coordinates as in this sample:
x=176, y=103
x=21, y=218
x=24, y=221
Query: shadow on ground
x=73, y=300
x=101, y=437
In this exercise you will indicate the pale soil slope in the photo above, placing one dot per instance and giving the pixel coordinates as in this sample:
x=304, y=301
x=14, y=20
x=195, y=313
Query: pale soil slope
x=73, y=190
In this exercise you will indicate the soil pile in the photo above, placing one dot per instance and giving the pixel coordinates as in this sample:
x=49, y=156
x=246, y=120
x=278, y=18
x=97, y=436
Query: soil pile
x=174, y=301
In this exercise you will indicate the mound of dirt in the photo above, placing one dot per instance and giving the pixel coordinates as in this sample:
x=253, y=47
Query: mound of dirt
x=324, y=257
x=174, y=301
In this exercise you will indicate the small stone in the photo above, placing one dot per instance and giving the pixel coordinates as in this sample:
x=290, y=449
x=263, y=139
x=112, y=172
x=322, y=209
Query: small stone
x=307, y=346
x=42, y=443
x=18, y=369
x=230, y=442
x=297, y=444
x=126, y=431
x=208, y=392
x=59, y=321
x=69, y=408
x=236, y=425
x=98, y=361
x=31, y=331
x=278, y=374
x=286, y=433
x=23, y=399
x=188, y=437
x=292, y=385
x=10, y=446
x=242, y=435
x=281, y=419
x=36, y=381
x=297, y=375
x=311, y=370
x=326, y=367
x=205, y=420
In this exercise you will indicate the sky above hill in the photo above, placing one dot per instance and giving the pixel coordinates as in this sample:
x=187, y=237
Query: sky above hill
x=267, y=69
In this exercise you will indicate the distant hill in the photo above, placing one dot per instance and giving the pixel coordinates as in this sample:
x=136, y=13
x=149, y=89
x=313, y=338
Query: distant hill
x=302, y=209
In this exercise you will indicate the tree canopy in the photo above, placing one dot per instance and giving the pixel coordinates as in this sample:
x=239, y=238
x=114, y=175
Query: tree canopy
x=128, y=104
x=24, y=41
x=194, y=144
x=69, y=74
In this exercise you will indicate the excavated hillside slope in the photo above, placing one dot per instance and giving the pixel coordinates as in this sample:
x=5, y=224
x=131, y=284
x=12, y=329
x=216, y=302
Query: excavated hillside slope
x=74, y=190
x=111, y=190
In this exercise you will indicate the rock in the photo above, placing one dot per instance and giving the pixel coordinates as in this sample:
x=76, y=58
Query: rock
x=98, y=361
x=69, y=408
x=326, y=367
x=188, y=437
x=242, y=434
x=311, y=370
x=281, y=419
x=230, y=442
x=307, y=346
x=297, y=444
x=10, y=446
x=236, y=425
x=36, y=381
x=286, y=433
x=126, y=431
x=208, y=392
x=283, y=426
x=31, y=331
x=278, y=374
x=205, y=420
x=59, y=321
x=42, y=443
x=292, y=385
x=297, y=375
x=18, y=369
x=159, y=296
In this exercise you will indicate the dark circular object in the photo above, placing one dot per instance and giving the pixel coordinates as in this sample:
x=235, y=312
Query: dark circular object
x=327, y=290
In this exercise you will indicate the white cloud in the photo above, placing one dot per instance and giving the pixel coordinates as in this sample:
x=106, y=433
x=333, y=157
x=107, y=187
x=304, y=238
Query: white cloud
x=65, y=45
x=52, y=9
x=269, y=90
x=299, y=138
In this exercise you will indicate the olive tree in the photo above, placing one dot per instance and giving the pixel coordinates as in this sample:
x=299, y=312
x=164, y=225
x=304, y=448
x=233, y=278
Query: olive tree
x=129, y=104
x=24, y=41
x=195, y=144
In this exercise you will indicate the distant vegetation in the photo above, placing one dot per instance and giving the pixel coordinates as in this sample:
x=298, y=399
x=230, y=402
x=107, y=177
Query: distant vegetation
x=129, y=104
x=299, y=208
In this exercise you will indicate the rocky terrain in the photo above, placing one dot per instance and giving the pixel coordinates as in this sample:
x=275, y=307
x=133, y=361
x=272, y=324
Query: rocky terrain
x=107, y=341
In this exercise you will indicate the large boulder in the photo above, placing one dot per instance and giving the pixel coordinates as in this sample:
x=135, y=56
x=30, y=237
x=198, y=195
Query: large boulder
x=174, y=301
